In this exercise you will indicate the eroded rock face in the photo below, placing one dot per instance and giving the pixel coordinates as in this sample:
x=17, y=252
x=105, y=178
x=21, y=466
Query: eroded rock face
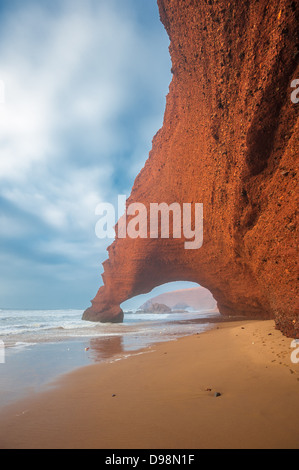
x=229, y=140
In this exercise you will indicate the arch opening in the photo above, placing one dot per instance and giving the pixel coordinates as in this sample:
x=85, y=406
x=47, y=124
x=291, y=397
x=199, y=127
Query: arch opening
x=178, y=296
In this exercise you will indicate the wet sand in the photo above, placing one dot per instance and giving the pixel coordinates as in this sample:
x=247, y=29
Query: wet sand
x=164, y=397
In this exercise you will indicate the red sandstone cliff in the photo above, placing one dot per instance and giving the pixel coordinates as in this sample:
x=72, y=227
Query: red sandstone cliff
x=229, y=140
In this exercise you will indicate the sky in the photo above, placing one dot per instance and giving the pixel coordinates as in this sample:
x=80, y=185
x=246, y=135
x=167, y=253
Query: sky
x=83, y=87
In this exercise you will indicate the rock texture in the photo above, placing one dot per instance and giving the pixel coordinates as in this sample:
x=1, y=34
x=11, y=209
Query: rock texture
x=155, y=308
x=229, y=140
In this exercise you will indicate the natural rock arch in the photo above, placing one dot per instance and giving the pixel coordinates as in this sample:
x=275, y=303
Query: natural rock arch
x=230, y=141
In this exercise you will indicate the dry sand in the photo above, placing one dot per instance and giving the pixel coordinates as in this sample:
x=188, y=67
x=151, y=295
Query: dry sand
x=164, y=398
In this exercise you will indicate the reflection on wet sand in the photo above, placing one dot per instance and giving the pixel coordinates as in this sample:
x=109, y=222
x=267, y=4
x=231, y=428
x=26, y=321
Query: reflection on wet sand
x=102, y=348
x=139, y=336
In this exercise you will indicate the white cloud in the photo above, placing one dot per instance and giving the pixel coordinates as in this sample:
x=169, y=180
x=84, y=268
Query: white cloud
x=64, y=83
x=73, y=79
x=67, y=74
x=65, y=202
x=12, y=227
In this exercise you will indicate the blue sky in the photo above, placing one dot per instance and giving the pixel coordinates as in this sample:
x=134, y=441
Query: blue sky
x=85, y=88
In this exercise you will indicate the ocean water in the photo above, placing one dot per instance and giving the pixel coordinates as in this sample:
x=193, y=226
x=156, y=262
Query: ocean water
x=41, y=345
x=25, y=328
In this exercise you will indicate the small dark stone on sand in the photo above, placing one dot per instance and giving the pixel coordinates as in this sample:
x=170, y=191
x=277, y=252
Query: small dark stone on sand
x=217, y=394
x=114, y=395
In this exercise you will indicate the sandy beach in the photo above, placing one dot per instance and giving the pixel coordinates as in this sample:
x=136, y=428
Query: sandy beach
x=164, y=397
